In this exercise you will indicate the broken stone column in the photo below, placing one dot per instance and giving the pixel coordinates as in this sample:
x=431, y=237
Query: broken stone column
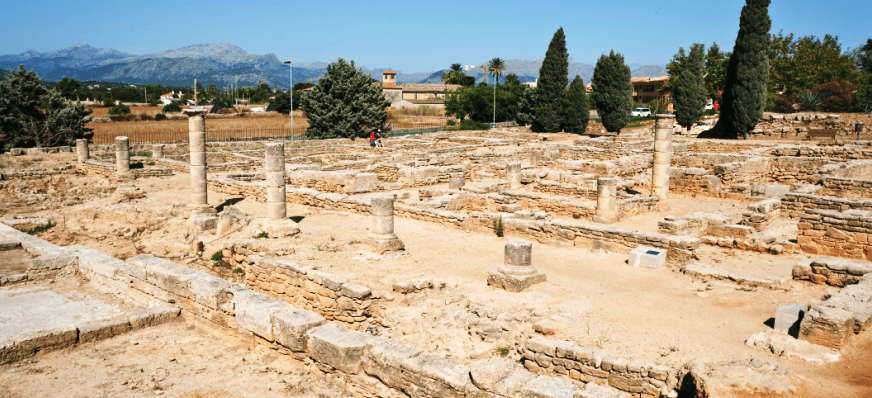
x=122, y=159
x=513, y=174
x=662, y=159
x=517, y=272
x=382, y=239
x=82, y=150
x=456, y=181
x=275, y=181
x=606, y=200
x=157, y=151
x=202, y=214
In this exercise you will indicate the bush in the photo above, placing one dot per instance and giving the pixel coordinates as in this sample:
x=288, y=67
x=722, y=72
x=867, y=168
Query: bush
x=710, y=112
x=159, y=117
x=172, y=107
x=835, y=96
x=144, y=117
x=119, y=110
x=809, y=101
x=498, y=227
x=863, y=100
x=218, y=256
x=785, y=103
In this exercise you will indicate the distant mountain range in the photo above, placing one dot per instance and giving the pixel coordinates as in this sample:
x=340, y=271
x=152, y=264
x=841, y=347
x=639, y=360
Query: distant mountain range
x=222, y=64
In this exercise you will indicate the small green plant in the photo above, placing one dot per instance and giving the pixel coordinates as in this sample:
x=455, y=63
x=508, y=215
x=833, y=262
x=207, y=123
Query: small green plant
x=112, y=189
x=261, y=235
x=755, y=192
x=41, y=228
x=809, y=101
x=238, y=271
x=218, y=256
x=151, y=163
x=740, y=281
x=159, y=117
x=504, y=351
x=354, y=242
x=37, y=159
x=332, y=238
x=498, y=227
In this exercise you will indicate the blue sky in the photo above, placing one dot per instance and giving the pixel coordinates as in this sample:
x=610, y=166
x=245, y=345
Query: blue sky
x=415, y=35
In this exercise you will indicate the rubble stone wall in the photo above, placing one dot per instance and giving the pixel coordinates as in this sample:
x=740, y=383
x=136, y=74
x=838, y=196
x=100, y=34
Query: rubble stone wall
x=796, y=204
x=838, y=234
x=93, y=167
x=30, y=174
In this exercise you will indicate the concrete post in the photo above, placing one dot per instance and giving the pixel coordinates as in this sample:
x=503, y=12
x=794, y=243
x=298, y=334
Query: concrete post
x=662, y=159
x=197, y=141
x=157, y=151
x=517, y=272
x=606, y=200
x=122, y=156
x=82, y=150
x=275, y=181
x=513, y=174
x=382, y=239
x=456, y=181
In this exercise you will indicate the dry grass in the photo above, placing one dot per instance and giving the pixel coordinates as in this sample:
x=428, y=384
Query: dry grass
x=419, y=111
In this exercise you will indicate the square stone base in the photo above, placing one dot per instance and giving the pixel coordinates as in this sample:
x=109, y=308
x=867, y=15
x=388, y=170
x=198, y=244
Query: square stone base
x=276, y=228
x=647, y=257
x=205, y=222
x=514, y=283
x=384, y=243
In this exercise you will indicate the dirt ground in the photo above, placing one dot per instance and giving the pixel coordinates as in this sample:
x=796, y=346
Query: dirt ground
x=592, y=297
x=173, y=360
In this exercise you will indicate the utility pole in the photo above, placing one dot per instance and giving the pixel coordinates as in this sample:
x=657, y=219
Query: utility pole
x=195, y=92
x=291, y=94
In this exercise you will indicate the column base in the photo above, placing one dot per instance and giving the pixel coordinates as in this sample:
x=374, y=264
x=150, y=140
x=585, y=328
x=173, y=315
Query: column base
x=384, y=243
x=204, y=221
x=275, y=228
x=512, y=282
x=127, y=191
x=605, y=220
x=124, y=177
x=196, y=208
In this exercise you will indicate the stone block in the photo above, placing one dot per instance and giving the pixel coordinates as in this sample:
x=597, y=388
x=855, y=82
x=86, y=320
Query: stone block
x=153, y=316
x=254, y=313
x=514, y=283
x=436, y=376
x=289, y=326
x=337, y=347
x=647, y=257
x=491, y=375
x=827, y=326
x=166, y=275
x=593, y=390
x=355, y=291
x=103, y=329
x=383, y=358
x=210, y=292
x=788, y=317
x=548, y=387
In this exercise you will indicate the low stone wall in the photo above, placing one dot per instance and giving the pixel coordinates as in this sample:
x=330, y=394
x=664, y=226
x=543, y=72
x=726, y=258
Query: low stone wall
x=329, y=295
x=832, y=271
x=806, y=151
x=37, y=151
x=638, y=205
x=568, y=190
x=694, y=181
x=762, y=214
x=838, y=234
x=533, y=201
x=795, y=204
x=846, y=188
x=796, y=126
x=93, y=167
x=30, y=174
x=622, y=167
x=48, y=261
x=544, y=356
x=750, y=170
x=346, y=182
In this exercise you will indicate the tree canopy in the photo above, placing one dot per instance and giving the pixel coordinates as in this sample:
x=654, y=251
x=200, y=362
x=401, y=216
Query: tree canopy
x=691, y=93
x=553, y=79
x=612, y=91
x=577, y=107
x=477, y=102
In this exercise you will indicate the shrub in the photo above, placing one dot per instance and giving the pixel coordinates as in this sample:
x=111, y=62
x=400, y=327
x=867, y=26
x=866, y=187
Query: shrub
x=159, y=117
x=863, y=100
x=710, y=112
x=498, y=227
x=785, y=103
x=809, y=101
x=835, y=96
x=218, y=256
x=172, y=107
x=41, y=228
x=261, y=235
x=144, y=117
x=119, y=110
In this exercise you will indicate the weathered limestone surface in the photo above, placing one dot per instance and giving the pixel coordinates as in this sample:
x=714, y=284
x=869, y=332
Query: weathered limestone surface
x=517, y=272
x=382, y=238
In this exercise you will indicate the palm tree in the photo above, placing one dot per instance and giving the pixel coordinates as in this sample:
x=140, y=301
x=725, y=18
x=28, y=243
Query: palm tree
x=455, y=73
x=497, y=66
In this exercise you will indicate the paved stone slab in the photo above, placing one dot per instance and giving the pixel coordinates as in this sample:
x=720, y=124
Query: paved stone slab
x=788, y=317
x=548, y=387
x=289, y=326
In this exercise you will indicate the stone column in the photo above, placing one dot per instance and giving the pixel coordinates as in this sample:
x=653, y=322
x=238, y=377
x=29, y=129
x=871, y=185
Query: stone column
x=275, y=181
x=382, y=239
x=157, y=151
x=197, y=141
x=606, y=200
x=517, y=272
x=82, y=150
x=456, y=181
x=662, y=159
x=122, y=158
x=513, y=174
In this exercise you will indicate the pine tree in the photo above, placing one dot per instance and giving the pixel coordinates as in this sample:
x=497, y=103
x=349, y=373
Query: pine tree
x=577, y=108
x=344, y=104
x=553, y=78
x=744, y=95
x=612, y=91
x=691, y=94
x=527, y=106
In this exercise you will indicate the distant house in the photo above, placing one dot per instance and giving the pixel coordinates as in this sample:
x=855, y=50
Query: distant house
x=414, y=95
x=647, y=89
x=167, y=98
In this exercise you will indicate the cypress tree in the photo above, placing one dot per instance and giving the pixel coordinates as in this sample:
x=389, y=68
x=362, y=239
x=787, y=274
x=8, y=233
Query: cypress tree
x=553, y=78
x=612, y=91
x=691, y=94
x=577, y=108
x=747, y=73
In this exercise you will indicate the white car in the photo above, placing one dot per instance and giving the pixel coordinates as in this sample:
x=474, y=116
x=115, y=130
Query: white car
x=641, y=112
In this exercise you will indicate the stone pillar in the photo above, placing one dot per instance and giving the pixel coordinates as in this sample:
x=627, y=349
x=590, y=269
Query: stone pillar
x=513, y=174
x=275, y=181
x=157, y=151
x=82, y=150
x=122, y=159
x=382, y=239
x=197, y=141
x=517, y=272
x=606, y=200
x=662, y=159
x=456, y=181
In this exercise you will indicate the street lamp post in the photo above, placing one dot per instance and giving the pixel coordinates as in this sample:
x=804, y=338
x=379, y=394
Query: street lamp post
x=291, y=93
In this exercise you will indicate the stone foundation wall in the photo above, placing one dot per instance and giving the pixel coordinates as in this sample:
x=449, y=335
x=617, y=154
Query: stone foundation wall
x=795, y=204
x=334, y=182
x=743, y=172
x=623, y=167
x=694, y=181
x=30, y=174
x=838, y=234
x=643, y=380
x=639, y=205
x=568, y=190
x=806, y=151
x=796, y=126
x=93, y=167
x=329, y=295
x=846, y=188
x=832, y=271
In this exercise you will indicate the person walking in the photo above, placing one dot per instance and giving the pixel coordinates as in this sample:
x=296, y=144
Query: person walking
x=372, y=139
x=378, y=138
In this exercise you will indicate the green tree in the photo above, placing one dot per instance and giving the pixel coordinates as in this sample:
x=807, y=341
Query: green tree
x=673, y=69
x=344, y=103
x=612, y=91
x=303, y=85
x=67, y=87
x=799, y=65
x=577, y=108
x=691, y=94
x=865, y=57
x=212, y=90
x=31, y=115
x=119, y=110
x=477, y=102
x=863, y=100
x=715, y=71
x=496, y=67
x=527, y=106
x=747, y=73
x=553, y=79
x=172, y=107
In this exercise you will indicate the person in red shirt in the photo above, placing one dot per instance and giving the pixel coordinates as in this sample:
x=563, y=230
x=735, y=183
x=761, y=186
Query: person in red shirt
x=372, y=139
